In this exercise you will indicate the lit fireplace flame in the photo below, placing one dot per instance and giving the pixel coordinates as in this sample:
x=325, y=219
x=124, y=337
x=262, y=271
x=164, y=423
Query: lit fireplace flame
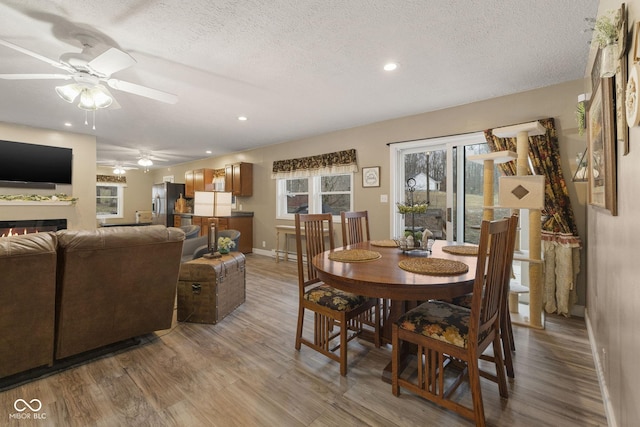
x=11, y=232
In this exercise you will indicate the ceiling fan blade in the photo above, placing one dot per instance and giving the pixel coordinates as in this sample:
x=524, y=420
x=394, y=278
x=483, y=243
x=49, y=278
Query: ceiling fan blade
x=36, y=76
x=148, y=92
x=111, y=61
x=36, y=55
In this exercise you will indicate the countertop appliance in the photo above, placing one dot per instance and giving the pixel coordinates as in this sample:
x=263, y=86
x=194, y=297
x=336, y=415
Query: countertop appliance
x=164, y=197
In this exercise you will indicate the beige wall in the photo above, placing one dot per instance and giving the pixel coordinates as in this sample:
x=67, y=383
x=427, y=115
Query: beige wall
x=371, y=142
x=82, y=215
x=613, y=299
x=137, y=194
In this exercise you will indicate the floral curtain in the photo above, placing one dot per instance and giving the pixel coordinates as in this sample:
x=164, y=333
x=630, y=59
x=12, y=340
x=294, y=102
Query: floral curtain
x=561, y=243
x=322, y=164
x=112, y=179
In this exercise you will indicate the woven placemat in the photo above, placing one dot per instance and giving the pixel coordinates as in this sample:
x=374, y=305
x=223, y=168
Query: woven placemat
x=461, y=250
x=388, y=243
x=434, y=266
x=354, y=255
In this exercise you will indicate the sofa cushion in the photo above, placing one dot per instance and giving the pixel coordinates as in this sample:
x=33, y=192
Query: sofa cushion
x=114, y=284
x=27, y=301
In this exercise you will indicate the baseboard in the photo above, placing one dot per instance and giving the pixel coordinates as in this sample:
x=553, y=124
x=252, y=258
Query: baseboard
x=577, y=310
x=264, y=252
x=608, y=409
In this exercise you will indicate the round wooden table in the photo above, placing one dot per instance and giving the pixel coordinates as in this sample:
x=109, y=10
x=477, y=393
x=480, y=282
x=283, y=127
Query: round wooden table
x=383, y=278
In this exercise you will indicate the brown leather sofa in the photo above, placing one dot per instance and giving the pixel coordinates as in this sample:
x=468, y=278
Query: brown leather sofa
x=27, y=301
x=113, y=284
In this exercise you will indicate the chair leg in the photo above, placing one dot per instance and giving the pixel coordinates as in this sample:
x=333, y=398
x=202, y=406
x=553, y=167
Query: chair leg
x=506, y=335
x=395, y=360
x=299, y=329
x=476, y=392
x=377, y=338
x=502, y=379
x=344, y=329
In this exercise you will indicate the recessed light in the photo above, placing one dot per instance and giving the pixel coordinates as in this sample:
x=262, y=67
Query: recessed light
x=242, y=118
x=208, y=151
x=67, y=124
x=390, y=66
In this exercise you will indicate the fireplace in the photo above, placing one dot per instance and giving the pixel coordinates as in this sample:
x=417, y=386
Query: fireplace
x=26, y=226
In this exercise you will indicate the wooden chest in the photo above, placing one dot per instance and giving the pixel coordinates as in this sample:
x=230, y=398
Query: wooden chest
x=210, y=289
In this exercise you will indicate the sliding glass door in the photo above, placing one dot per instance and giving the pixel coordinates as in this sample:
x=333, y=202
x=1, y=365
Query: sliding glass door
x=438, y=171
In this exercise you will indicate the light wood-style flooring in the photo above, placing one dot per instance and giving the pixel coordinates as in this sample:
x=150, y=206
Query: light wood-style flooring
x=245, y=371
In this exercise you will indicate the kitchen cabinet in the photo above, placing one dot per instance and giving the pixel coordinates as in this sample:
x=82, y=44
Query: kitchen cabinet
x=243, y=223
x=238, y=179
x=188, y=185
x=198, y=180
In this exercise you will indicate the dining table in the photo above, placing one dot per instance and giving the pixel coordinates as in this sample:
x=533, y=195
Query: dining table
x=382, y=277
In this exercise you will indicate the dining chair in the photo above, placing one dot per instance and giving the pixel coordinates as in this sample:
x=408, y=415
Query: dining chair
x=332, y=307
x=450, y=337
x=506, y=328
x=355, y=227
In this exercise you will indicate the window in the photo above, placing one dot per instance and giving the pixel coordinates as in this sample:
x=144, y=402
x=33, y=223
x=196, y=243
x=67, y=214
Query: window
x=109, y=200
x=316, y=194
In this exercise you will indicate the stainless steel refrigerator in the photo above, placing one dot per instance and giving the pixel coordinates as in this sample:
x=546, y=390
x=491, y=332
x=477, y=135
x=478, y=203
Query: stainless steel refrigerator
x=164, y=198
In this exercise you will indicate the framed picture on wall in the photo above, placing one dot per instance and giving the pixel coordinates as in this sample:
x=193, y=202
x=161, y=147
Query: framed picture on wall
x=371, y=176
x=602, y=147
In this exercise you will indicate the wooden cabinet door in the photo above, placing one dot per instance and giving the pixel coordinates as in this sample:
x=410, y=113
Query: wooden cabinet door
x=244, y=224
x=228, y=178
x=238, y=179
x=189, y=189
x=198, y=180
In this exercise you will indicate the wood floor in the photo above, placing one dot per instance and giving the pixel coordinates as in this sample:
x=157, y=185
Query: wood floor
x=244, y=371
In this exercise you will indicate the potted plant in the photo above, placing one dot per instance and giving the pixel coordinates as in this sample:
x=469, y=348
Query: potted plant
x=225, y=244
x=605, y=34
x=412, y=208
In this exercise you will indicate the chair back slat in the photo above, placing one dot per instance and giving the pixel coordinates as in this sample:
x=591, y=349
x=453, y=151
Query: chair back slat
x=315, y=230
x=355, y=227
x=495, y=254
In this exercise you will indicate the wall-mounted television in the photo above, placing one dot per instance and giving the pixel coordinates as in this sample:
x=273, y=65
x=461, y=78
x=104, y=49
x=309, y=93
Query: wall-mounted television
x=33, y=165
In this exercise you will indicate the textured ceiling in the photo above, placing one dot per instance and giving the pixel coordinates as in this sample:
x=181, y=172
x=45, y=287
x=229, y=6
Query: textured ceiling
x=295, y=68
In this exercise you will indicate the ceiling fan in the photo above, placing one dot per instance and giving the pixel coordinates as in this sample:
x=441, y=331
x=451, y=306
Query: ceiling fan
x=89, y=70
x=119, y=168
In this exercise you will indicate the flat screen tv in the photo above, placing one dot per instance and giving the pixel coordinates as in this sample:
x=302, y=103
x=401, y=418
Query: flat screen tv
x=34, y=164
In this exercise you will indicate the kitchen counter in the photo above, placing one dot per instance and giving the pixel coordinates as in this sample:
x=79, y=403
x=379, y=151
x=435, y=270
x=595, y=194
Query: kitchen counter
x=238, y=220
x=233, y=214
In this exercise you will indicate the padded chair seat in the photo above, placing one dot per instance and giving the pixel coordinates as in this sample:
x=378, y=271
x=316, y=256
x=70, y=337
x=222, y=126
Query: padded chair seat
x=441, y=321
x=334, y=299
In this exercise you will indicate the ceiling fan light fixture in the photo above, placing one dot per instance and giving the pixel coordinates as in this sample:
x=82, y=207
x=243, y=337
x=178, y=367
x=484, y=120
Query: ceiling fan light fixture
x=69, y=92
x=94, y=98
x=145, y=161
x=101, y=98
x=118, y=170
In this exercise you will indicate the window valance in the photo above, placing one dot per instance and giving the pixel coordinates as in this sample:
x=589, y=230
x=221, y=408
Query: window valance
x=322, y=164
x=111, y=179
